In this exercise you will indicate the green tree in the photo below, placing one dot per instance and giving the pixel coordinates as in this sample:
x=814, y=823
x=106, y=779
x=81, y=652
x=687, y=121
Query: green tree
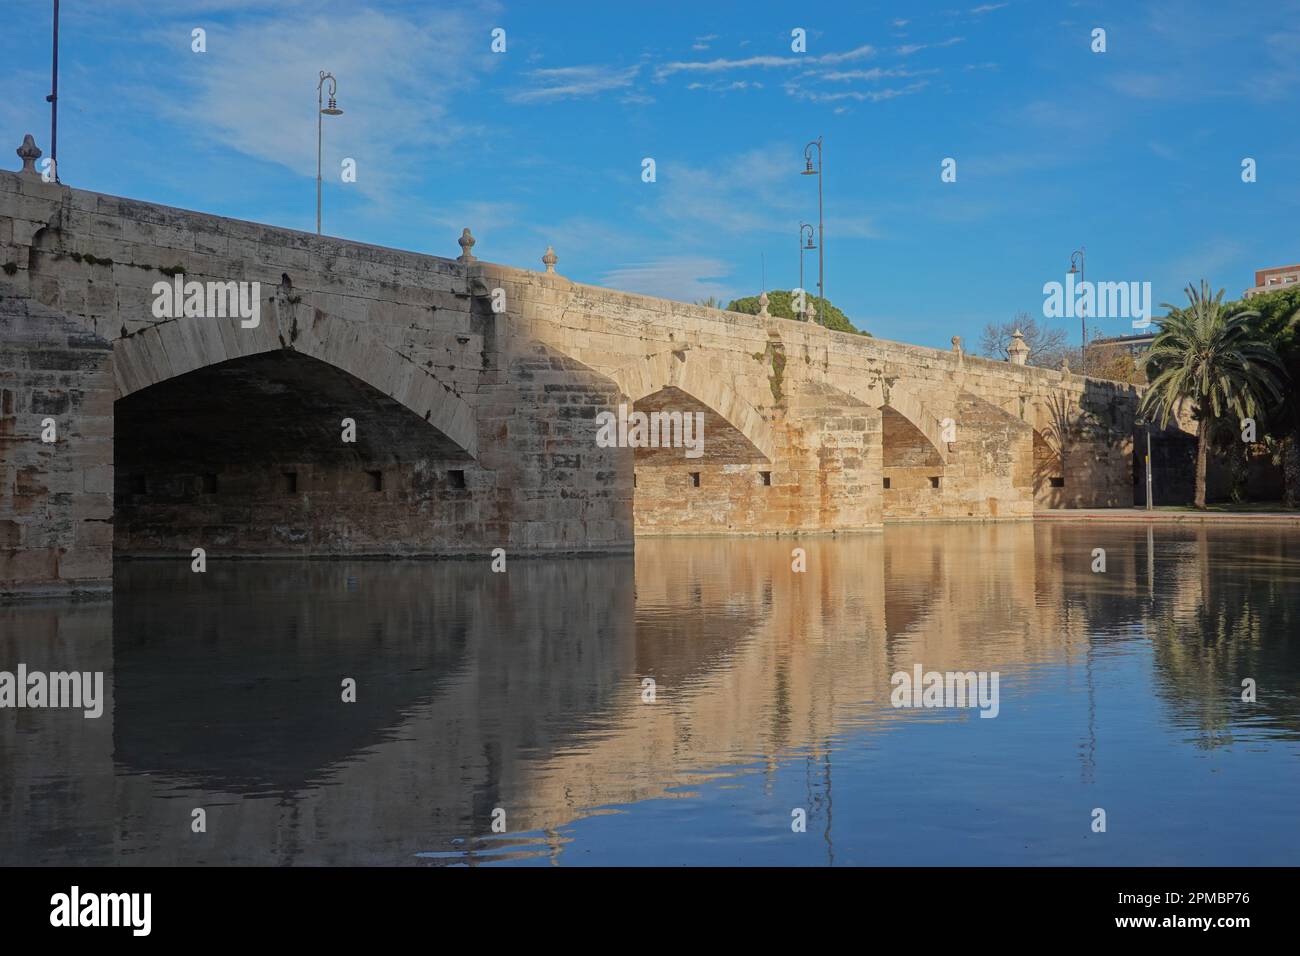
x=1279, y=325
x=1214, y=359
x=780, y=303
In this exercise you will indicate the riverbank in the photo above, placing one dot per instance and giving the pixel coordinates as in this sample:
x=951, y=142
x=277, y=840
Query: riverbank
x=1215, y=514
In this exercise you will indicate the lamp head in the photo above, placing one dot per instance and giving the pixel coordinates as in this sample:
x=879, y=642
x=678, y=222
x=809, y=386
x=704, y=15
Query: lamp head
x=333, y=108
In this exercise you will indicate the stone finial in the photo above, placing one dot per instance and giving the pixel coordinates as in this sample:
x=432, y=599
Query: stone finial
x=29, y=153
x=466, y=242
x=1065, y=366
x=1017, y=351
x=812, y=311
x=956, y=344
x=762, y=305
x=550, y=259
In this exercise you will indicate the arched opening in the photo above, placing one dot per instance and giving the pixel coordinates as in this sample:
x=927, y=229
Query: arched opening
x=698, y=472
x=280, y=453
x=1049, y=472
x=912, y=470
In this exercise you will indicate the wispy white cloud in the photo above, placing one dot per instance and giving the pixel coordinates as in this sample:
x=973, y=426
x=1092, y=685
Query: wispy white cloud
x=1210, y=260
x=1163, y=151
x=724, y=87
x=752, y=193
x=684, y=278
x=481, y=217
x=857, y=53
x=875, y=73
x=986, y=8
x=721, y=64
x=571, y=82
x=1179, y=46
x=766, y=61
x=907, y=49
x=1147, y=85
x=860, y=96
x=1279, y=76
x=255, y=90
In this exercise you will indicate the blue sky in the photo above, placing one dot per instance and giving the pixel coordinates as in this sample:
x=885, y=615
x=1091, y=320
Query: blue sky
x=1135, y=152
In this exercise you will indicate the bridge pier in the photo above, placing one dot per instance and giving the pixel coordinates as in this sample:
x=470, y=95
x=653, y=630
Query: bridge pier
x=56, y=452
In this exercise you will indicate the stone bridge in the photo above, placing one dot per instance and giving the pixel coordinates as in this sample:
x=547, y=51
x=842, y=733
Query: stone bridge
x=476, y=392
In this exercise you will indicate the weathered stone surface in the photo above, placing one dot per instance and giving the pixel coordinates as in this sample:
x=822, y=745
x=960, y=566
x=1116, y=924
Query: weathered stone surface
x=479, y=425
x=55, y=529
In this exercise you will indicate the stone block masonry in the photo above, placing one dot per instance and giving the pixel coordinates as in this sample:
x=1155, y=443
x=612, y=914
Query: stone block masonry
x=475, y=390
x=56, y=497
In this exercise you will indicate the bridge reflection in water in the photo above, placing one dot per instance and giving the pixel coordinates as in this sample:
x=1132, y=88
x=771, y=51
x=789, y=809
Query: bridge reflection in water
x=524, y=691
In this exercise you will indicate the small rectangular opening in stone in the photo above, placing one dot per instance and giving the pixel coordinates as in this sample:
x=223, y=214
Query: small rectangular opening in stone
x=695, y=479
x=376, y=480
x=886, y=482
x=934, y=481
x=289, y=482
x=456, y=478
x=765, y=477
x=209, y=484
x=1057, y=482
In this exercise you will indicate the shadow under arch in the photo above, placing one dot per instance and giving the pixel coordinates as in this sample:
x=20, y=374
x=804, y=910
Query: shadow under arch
x=1049, y=469
x=654, y=373
x=178, y=346
x=255, y=456
x=912, y=467
x=911, y=407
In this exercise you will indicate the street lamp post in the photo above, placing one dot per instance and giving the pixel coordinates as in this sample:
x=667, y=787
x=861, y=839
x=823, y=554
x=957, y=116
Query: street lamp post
x=1148, y=478
x=1076, y=268
x=322, y=110
x=1150, y=465
x=821, y=221
x=803, y=248
x=53, y=99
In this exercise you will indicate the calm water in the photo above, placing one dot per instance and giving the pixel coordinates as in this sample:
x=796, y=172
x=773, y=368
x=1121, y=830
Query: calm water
x=523, y=691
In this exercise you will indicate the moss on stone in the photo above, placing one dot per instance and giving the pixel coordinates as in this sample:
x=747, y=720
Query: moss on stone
x=778, y=372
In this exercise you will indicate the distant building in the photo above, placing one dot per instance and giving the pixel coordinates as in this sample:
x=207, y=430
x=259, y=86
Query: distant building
x=1270, y=280
x=1101, y=355
x=1135, y=345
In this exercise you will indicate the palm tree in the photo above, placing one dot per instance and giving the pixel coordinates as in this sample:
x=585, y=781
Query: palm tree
x=1215, y=361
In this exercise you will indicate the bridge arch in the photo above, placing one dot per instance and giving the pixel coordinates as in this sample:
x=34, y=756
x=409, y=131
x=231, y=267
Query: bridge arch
x=912, y=470
x=176, y=346
x=678, y=370
x=920, y=416
x=278, y=453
